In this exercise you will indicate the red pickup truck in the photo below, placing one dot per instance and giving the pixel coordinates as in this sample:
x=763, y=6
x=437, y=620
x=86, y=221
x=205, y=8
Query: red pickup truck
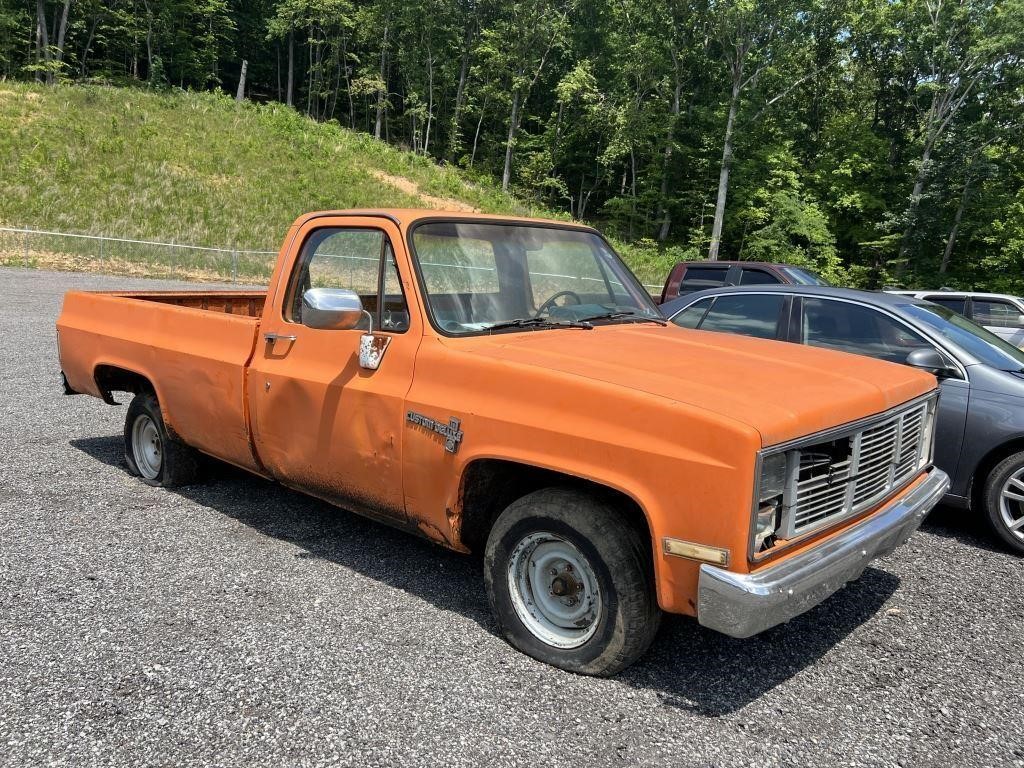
x=689, y=276
x=506, y=386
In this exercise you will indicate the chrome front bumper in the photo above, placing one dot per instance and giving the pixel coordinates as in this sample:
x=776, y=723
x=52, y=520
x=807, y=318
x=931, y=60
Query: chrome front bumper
x=741, y=604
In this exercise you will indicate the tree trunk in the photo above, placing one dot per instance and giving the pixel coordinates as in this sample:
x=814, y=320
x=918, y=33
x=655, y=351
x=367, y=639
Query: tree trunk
x=291, y=65
x=666, y=215
x=348, y=83
x=476, y=136
x=915, y=203
x=88, y=45
x=460, y=95
x=43, y=39
x=951, y=240
x=513, y=123
x=240, y=93
x=430, y=101
x=723, y=175
x=383, y=78
x=62, y=31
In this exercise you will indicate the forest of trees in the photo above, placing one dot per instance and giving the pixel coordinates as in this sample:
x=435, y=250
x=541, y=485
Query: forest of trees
x=879, y=141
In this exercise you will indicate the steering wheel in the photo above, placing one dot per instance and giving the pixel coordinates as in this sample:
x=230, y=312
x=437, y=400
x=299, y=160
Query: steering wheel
x=550, y=301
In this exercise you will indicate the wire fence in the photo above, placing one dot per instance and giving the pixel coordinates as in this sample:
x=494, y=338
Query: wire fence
x=23, y=246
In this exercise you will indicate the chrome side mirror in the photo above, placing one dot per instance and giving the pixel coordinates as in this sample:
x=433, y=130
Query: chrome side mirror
x=332, y=309
x=928, y=359
x=338, y=309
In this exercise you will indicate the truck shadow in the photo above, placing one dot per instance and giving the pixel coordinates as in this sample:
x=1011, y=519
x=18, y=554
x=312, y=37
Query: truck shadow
x=688, y=666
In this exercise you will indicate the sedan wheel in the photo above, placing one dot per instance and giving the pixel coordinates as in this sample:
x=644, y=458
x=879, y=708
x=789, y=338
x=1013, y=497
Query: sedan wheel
x=1003, y=498
x=1011, y=504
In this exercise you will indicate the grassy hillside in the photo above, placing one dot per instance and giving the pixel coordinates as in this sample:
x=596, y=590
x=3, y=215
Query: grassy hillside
x=195, y=168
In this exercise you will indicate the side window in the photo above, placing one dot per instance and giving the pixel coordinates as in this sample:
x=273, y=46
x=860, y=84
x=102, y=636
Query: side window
x=749, y=315
x=950, y=302
x=995, y=313
x=699, y=278
x=857, y=329
x=757, y=277
x=350, y=259
x=693, y=314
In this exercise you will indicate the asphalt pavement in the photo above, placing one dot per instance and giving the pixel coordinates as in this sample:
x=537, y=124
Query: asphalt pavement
x=239, y=623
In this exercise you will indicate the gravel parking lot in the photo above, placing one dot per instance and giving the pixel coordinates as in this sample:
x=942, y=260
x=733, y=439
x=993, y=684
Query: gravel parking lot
x=239, y=623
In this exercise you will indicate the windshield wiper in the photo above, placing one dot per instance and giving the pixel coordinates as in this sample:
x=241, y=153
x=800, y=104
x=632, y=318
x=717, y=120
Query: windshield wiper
x=626, y=313
x=539, y=322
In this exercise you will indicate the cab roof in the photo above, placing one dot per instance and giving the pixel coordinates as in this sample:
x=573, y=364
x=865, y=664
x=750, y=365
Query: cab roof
x=405, y=217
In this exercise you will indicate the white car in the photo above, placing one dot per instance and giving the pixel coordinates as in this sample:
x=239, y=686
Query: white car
x=998, y=312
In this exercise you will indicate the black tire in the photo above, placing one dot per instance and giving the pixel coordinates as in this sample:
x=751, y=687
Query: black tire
x=618, y=557
x=991, y=495
x=178, y=464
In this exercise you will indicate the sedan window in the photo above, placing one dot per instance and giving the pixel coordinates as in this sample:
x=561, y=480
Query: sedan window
x=693, y=314
x=861, y=330
x=754, y=314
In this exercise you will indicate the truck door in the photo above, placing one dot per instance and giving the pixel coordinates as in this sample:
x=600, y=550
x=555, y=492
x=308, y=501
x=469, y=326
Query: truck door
x=320, y=421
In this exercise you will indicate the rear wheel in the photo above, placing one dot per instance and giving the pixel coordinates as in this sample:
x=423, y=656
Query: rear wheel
x=570, y=584
x=150, y=452
x=1004, y=501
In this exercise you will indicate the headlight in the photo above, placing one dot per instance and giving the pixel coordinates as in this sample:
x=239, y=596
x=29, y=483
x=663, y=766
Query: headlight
x=771, y=488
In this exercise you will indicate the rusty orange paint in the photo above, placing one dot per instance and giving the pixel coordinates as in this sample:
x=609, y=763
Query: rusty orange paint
x=671, y=418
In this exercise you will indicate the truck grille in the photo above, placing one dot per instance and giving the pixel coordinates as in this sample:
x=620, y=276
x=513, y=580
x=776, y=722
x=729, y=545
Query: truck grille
x=845, y=475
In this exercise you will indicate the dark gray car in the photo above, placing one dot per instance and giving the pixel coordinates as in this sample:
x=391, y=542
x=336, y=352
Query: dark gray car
x=980, y=429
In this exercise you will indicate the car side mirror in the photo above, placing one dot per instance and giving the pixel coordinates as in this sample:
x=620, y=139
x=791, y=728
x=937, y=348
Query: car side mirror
x=339, y=309
x=929, y=359
x=332, y=309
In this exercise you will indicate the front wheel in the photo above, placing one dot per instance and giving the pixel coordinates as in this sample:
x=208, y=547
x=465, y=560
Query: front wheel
x=150, y=452
x=569, y=582
x=1004, y=501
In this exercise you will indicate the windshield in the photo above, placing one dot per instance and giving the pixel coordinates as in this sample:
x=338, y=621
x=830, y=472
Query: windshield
x=986, y=346
x=479, y=276
x=803, y=276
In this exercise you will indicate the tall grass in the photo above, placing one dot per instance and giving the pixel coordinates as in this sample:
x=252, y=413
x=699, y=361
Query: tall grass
x=198, y=168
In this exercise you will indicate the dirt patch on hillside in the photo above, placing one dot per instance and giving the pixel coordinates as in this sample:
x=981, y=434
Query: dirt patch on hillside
x=410, y=187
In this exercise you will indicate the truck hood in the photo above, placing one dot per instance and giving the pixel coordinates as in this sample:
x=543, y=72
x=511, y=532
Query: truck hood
x=782, y=390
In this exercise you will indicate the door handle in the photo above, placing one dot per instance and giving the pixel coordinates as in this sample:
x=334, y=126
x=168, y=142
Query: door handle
x=272, y=337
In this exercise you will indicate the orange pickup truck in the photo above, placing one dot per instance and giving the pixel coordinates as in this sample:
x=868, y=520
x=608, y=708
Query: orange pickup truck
x=506, y=387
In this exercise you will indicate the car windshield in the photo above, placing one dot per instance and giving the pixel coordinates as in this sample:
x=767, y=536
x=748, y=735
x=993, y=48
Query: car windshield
x=804, y=276
x=479, y=277
x=982, y=344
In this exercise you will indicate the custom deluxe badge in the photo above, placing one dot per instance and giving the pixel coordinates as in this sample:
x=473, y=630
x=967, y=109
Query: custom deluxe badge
x=450, y=432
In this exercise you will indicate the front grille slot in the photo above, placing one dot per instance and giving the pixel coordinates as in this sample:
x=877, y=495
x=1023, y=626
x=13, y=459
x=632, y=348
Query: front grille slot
x=841, y=477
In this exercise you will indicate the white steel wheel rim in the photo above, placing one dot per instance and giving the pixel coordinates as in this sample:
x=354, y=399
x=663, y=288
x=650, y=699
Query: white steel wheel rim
x=147, y=447
x=554, y=590
x=1011, y=503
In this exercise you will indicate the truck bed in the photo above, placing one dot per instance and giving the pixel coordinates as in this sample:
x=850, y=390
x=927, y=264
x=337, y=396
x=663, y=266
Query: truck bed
x=193, y=347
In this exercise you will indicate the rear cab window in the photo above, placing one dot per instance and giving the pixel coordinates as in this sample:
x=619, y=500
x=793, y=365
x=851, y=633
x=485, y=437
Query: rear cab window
x=996, y=313
x=956, y=303
x=699, y=278
x=757, y=277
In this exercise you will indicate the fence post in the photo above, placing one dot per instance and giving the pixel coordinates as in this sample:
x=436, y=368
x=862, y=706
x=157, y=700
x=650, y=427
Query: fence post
x=234, y=266
x=25, y=255
x=102, y=240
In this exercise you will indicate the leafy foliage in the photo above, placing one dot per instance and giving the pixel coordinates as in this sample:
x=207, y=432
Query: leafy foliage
x=878, y=142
